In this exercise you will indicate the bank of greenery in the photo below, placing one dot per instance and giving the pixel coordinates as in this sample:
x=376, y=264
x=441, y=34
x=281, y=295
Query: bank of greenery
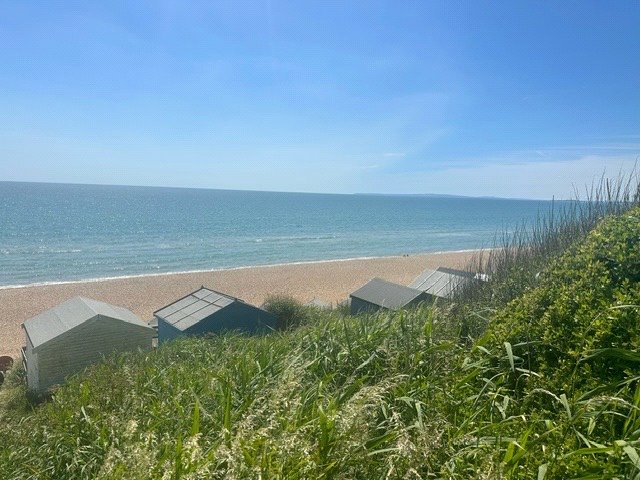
x=535, y=374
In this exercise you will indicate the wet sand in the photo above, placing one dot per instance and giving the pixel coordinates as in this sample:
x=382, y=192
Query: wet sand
x=329, y=281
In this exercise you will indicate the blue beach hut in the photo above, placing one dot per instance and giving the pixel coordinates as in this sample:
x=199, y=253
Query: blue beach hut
x=207, y=311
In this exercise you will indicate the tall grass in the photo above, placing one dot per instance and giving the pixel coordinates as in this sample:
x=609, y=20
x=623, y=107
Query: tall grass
x=518, y=256
x=319, y=402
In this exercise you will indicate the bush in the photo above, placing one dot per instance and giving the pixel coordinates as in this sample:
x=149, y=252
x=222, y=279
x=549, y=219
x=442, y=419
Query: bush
x=587, y=300
x=290, y=312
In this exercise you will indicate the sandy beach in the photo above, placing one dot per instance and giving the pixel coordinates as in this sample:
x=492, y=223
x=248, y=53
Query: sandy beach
x=330, y=281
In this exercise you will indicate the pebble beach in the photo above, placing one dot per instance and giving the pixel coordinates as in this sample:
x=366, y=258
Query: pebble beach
x=329, y=281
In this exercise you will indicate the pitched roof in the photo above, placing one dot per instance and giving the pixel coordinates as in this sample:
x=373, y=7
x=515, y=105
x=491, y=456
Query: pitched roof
x=68, y=315
x=195, y=307
x=455, y=271
x=440, y=283
x=386, y=294
x=483, y=277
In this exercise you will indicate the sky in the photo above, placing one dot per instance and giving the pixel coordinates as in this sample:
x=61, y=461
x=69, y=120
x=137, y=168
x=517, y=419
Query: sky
x=511, y=99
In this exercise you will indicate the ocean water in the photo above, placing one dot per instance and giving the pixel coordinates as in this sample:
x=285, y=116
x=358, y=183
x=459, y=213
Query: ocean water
x=58, y=232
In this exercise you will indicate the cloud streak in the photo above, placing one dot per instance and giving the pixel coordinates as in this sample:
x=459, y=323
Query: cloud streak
x=535, y=180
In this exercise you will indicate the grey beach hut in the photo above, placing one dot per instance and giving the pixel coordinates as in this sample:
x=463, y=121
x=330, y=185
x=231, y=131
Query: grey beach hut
x=75, y=334
x=443, y=282
x=380, y=294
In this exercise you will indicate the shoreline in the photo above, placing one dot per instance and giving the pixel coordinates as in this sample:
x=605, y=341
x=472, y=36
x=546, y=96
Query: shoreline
x=225, y=269
x=328, y=280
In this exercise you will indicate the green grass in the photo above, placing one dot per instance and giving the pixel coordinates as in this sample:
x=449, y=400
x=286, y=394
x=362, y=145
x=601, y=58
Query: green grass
x=540, y=379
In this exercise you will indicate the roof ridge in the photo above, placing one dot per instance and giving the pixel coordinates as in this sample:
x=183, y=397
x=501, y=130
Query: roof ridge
x=88, y=304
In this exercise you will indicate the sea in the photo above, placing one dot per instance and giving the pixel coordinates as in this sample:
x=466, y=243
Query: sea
x=53, y=233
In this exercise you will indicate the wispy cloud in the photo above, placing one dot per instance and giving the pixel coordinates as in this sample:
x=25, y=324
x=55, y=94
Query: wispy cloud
x=543, y=179
x=619, y=146
x=551, y=153
x=394, y=154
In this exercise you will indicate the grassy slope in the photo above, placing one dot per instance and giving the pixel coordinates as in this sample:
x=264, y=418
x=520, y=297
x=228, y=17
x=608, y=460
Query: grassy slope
x=551, y=388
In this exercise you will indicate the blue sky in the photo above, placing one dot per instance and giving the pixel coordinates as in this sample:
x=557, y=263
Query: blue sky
x=515, y=99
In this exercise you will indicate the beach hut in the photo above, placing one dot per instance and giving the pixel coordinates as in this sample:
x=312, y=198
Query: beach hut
x=153, y=323
x=208, y=311
x=379, y=294
x=443, y=282
x=75, y=334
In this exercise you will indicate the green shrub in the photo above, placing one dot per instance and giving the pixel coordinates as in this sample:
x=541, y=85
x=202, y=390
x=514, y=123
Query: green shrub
x=290, y=312
x=588, y=300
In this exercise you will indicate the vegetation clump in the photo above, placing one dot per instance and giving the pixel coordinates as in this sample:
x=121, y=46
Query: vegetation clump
x=290, y=312
x=558, y=369
x=586, y=304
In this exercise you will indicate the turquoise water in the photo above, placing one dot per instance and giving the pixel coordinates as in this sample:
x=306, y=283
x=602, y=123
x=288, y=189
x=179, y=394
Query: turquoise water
x=56, y=232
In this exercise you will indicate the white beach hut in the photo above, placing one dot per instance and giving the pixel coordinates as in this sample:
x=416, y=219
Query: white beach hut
x=75, y=334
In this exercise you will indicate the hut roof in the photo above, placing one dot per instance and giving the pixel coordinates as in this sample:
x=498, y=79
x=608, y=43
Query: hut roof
x=195, y=307
x=386, y=294
x=442, y=282
x=68, y=315
x=455, y=271
x=483, y=277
